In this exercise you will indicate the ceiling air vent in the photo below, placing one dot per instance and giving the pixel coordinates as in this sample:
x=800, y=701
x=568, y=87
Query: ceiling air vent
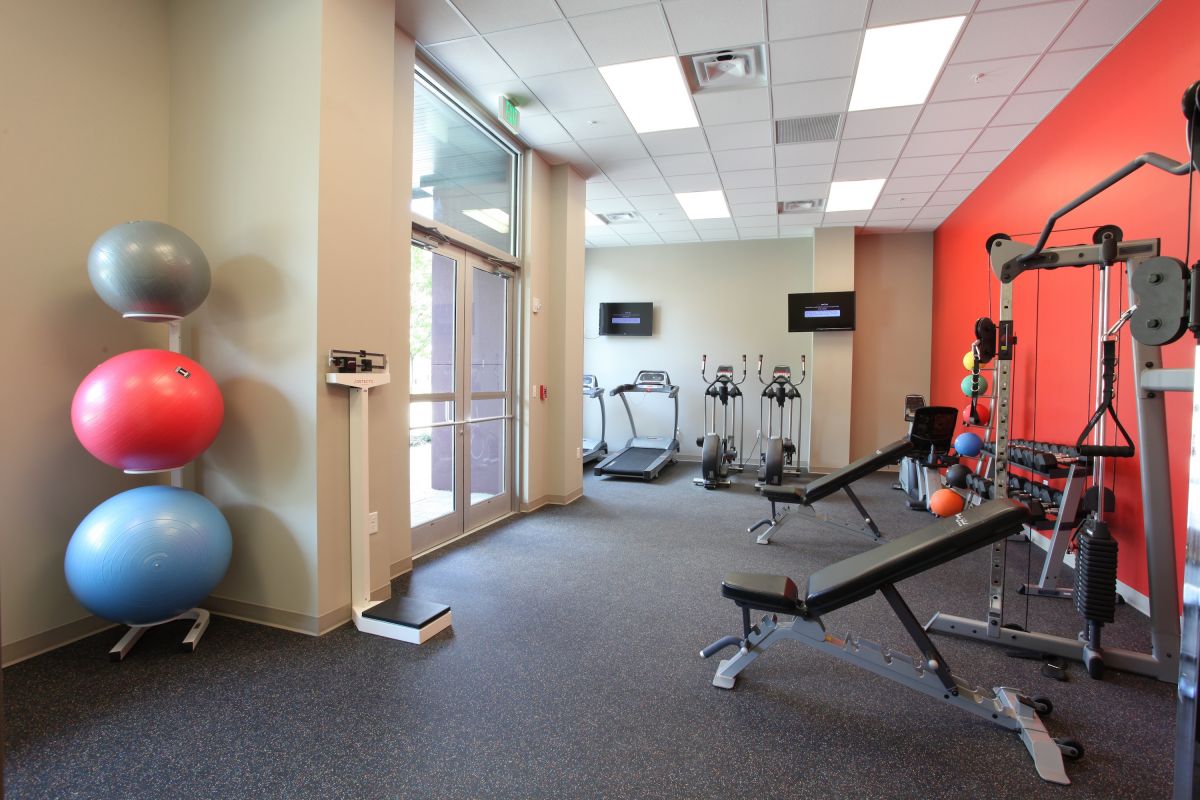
x=817, y=128
x=734, y=68
x=617, y=217
x=801, y=206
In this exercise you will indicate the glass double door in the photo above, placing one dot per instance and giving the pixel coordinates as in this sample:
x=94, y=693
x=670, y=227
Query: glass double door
x=461, y=399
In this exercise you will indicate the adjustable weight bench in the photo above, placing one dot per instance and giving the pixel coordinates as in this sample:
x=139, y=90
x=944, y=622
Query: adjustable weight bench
x=878, y=570
x=931, y=429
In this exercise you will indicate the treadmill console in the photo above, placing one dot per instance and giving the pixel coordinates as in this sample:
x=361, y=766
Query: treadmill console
x=653, y=379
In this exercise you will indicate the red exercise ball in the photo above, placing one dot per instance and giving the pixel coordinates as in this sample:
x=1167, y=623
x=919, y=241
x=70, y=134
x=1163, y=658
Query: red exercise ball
x=982, y=411
x=147, y=410
x=946, y=502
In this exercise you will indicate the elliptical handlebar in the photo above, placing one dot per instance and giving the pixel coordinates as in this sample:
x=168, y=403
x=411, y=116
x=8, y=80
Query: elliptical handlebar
x=803, y=369
x=760, y=380
x=704, y=367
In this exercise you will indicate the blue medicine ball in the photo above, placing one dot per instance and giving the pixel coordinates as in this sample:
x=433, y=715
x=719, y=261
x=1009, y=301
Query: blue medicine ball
x=968, y=444
x=148, y=554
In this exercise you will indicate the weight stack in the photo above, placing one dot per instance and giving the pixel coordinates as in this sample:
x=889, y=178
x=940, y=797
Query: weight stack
x=1096, y=573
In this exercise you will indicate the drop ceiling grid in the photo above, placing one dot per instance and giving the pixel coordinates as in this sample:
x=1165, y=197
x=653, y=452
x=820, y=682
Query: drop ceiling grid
x=1083, y=44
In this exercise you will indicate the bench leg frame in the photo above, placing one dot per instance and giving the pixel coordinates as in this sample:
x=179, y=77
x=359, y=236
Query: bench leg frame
x=1001, y=706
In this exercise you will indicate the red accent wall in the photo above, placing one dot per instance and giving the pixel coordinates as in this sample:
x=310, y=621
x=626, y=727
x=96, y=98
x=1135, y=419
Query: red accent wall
x=1127, y=105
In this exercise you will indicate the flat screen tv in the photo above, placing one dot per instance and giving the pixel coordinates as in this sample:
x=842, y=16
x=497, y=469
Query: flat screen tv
x=821, y=311
x=626, y=319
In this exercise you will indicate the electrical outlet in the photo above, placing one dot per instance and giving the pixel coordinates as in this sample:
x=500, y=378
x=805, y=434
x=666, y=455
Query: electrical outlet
x=373, y=522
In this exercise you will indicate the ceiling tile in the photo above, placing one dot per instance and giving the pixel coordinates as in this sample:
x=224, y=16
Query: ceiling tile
x=788, y=19
x=925, y=165
x=863, y=170
x=757, y=221
x=753, y=209
x=642, y=186
x=748, y=179
x=669, y=143
x=891, y=12
x=872, y=147
x=676, y=237
x=517, y=91
x=666, y=215
x=540, y=49
x=631, y=170
x=940, y=143
x=955, y=115
x=614, y=205
x=719, y=235
x=617, y=148
x=802, y=191
x=811, y=173
x=627, y=34
x=757, y=194
x=694, y=183
x=911, y=200
x=1103, y=22
x=489, y=16
x=668, y=226
x=627, y=229
x=880, y=122
x=573, y=8
x=543, y=129
x=601, y=190
x=981, y=78
x=568, y=153
x=981, y=162
x=938, y=212
x=951, y=197
x=792, y=220
x=893, y=214
x=688, y=164
x=830, y=96
x=1062, y=70
x=1027, y=30
x=595, y=123
x=752, y=158
x=757, y=233
x=963, y=180
x=920, y=183
x=846, y=217
x=472, y=61
x=737, y=105
x=643, y=238
x=1028, y=108
x=796, y=155
x=718, y=224
x=1001, y=137
x=740, y=135
x=816, y=58
x=431, y=22
x=656, y=202
x=700, y=25
x=570, y=91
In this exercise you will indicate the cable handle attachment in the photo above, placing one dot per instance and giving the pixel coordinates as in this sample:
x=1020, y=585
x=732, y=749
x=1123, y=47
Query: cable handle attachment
x=1107, y=392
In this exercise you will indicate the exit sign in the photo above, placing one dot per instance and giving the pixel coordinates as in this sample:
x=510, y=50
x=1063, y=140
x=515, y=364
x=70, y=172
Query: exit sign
x=510, y=115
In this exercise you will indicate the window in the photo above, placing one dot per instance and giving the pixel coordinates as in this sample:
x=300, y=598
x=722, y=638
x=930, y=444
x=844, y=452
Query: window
x=464, y=176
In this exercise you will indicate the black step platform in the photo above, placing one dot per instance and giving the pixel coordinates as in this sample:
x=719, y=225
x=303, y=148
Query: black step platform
x=406, y=611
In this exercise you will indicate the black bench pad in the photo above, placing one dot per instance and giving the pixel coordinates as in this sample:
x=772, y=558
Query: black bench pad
x=767, y=592
x=835, y=481
x=860, y=576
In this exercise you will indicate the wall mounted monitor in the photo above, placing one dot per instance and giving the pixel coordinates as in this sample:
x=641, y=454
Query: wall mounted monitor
x=626, y=319
x=820, y=311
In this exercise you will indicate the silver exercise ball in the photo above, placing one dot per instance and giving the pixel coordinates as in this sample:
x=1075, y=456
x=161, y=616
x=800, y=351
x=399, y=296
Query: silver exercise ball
x=149, y=271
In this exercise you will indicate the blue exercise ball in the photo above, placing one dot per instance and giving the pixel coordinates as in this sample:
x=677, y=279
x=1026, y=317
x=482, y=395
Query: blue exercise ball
x=968, y=444
x=149, y=271
x=148, y=554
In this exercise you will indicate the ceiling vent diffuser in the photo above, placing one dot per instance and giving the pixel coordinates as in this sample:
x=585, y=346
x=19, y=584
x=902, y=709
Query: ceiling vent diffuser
x=733, y=68
x=618, y=217
x=816, y=128
x=801, y=206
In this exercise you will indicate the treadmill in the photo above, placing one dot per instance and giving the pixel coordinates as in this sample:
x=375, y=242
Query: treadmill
x=594, y=448
x=644, y=457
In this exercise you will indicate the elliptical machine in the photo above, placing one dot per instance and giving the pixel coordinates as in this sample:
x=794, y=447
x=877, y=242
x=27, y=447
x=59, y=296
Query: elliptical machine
x=719, y=449
x=778, y=455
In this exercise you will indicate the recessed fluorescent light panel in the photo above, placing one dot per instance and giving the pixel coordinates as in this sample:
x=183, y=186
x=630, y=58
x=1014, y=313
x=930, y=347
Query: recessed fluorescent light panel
x=653, y=94
x=899, y=63
x=494, y=218
x=703, y=205
x=853, y=195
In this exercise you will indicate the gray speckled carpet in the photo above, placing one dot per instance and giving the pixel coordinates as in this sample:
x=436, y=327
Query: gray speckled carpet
x=572, y=671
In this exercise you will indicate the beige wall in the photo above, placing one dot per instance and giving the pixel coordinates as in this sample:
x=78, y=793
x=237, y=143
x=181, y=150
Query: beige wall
x=719, y=298
x=83, y=147
x=245, y=110
x=830, y=368
x=893, y=279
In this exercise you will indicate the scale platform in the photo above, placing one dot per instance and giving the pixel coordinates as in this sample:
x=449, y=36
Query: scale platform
x=404, y=618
